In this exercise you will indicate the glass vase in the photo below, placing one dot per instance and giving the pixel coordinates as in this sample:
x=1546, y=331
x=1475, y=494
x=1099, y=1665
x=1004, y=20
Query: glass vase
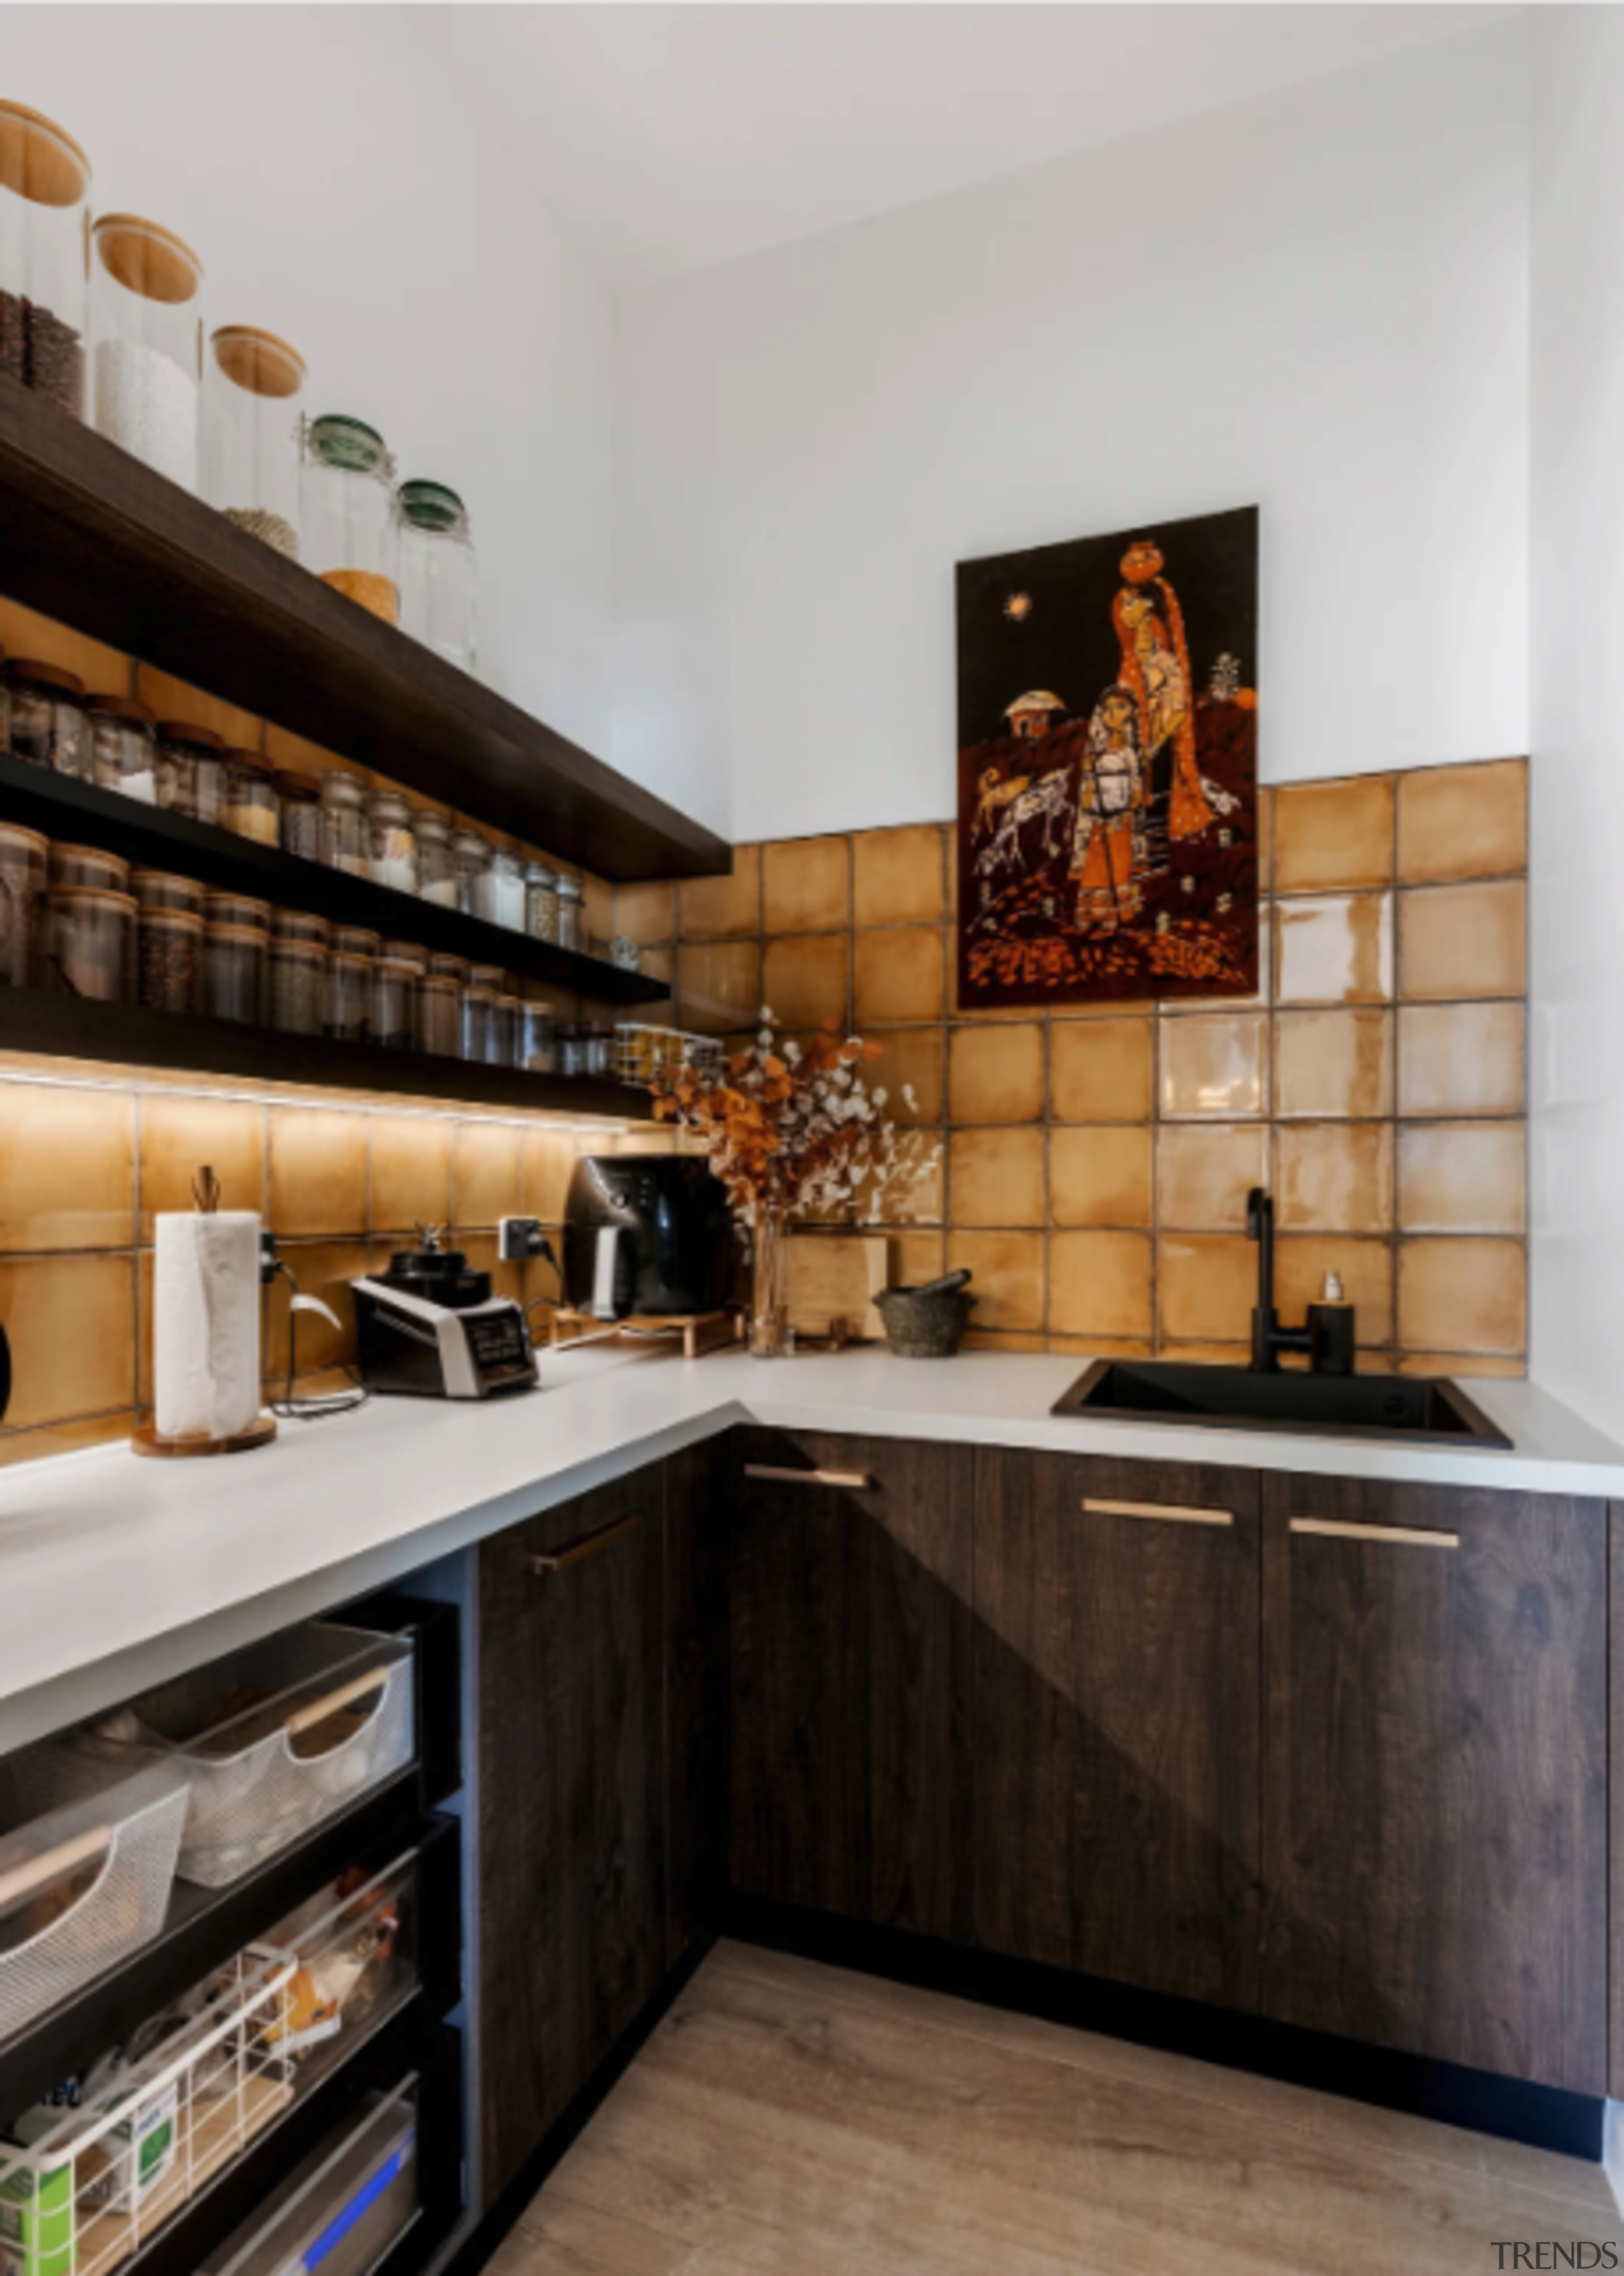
x=768, y=1336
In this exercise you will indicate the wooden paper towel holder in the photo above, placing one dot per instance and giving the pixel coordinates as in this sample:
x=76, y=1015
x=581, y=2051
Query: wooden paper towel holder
x=150, y=1439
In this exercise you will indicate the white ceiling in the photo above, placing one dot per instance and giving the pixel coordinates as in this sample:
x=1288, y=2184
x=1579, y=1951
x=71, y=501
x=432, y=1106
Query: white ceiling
x=675, y=137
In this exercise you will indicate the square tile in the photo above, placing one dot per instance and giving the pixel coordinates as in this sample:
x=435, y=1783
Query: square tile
x=899, y=876
x=996, y=1177
x=1008, y=1276
x=318, y=1171
x=806, y=886
x=549, y=1163
x=911, y=1059
x=1461, y=1060
x=806, y=979
x=1463, y=1177
x=1206, y=1286
x=996, y=1075
x=1302, y=1259
x=1463, y=1365
x=486, y=1179
x=1463, y=822
x=1464, y=1295
x=1204, y=1172
x=1099, y=1284
x=916, y=1258
x=1100, y=1175
x=180, y=1135
x=723, y=908
x=1332, y=1064
x=72, y=1335
x=1102, y=1070
x=646, y=914
x=410, y=1171
x=1458, y=941
x=1330, y=836
x=1215, y=1064
x=899, y=976
x=1335, y=1177
x=68, y=1168
x=1103, y=1346
x=1335, y=950
x=718, y=986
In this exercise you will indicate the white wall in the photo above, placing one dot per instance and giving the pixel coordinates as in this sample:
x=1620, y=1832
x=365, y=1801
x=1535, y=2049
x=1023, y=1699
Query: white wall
x=1578, y=1054
x=1315, y=301
x=339, y=191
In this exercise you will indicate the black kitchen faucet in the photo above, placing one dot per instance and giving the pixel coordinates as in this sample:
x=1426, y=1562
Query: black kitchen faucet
x=1326, y=1337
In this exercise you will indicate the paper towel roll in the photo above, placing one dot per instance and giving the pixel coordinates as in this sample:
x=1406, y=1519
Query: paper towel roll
x=206, y=1324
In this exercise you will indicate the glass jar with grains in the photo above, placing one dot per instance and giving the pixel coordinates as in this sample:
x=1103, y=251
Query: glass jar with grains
x=391, y=842
x=234, y=972
x=123, y=749
x=436, y=865
x=253, y=808
x=191, y=769
x=501, y=892
x=22, y=898
x=47, y=717
x=44, y=212
x=343, y=822
x=439, y=1016
x=89, y=943
x=147, y=343
x=347, y=1012
x=571, y=927
x=540, y=902
x=348, y=528
x=472, y=854
x=300, y=801
x=252, y=385
x=168, y=961
x=156, y=889
x=394, y=1003
x=298, y=987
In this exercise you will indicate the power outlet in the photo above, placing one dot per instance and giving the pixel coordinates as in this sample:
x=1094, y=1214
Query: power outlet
x=267, y=1257
x=522, y=1237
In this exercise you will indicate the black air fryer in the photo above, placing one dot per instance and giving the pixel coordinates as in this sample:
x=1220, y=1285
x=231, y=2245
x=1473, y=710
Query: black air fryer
x=645, y=1235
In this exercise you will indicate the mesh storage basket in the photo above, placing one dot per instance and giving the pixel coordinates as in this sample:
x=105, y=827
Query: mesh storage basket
x=87, y=1855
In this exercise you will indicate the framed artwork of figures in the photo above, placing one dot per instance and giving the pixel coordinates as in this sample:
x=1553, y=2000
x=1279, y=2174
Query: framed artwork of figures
x=1107, y=840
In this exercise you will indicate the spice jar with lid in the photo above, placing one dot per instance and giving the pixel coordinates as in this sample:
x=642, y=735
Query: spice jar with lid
x=599, y=1047
x=237, y=909
x=191, y=769
x=252, y=808
x=540, y=902
x=571, y=1051
x=441, y=966
x=472, y=854
x=47, y=716
x=234, y=972
x=439, y=575
x=123, y=750
x=147, y=343
x=394, y=1013
x=298, y=924
x=300, y=801
x=391, y=842
x=89, y=939
x=354, y=940
x=348, y=1005
x=537, y=1041
x=349, y=533
x=87, y=865
x=252, y=385
x=44, y=192
x=437, y=866
x=168, y=961
x=22, y=897
x=479, y=1010
x=439, y=1016
x=343, y=822
x=500, y=898
x=407, y=951
x=155, y=889
x=504, y=1024
x=571, y=921
x=298, y=987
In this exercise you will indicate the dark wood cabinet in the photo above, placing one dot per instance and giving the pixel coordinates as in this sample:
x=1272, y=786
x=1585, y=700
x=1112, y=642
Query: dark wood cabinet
x=1435, y=1795
x=851, y=1679
x=698, y=1530
x=572, y=1803
x=1117, y=1704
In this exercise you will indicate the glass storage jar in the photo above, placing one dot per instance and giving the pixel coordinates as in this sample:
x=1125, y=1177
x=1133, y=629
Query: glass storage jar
x=156, y=889
x=394, y=1006
x=472, y=854
x=600, y=1042
x=146, y=343
x=252, y=809
x=47, y=717
x=168, y=961
x=537, y=1041
x=252, y=384
x=501, y=893
x=540, y=902
x=234, y=972
x=348, y=1004
x=478, y=1008
x=44, y=189
x=439, y=1016
x=298, y=924
x=504, y=1032
x=300, y=801
x=437, y=866
x=343, y=822
x=22, y=897
x=571, y=1051
x=353, y=940
x=87, y=865
x=298, y=987
x=237, y=909
x=571, y=921
x=391, y=842
x=191, y=769
x=348, y=530
x=90, y=942
x=439, y=575
x=441, y=966
x=123, y=750
x=407, y=951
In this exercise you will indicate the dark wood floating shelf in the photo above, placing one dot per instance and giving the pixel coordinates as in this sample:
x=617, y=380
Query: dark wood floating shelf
x=81, y=814
x=90, y=534
x=124, y=1036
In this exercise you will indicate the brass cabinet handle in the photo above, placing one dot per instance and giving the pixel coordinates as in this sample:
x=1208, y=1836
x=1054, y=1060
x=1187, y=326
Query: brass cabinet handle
x=590, y=1545
x=1395, y=1537
x=1171, y=1512
x=853, y=1481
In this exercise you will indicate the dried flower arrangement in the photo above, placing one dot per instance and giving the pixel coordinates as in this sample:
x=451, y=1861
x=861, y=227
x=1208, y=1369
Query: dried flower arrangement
x=790, y=1130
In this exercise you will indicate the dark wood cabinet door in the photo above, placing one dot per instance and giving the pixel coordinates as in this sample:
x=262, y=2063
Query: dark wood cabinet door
x=572, y=1818
x=1117, y=1696
x=851, y=1676
x=1435, y=1797
x=698, y=1546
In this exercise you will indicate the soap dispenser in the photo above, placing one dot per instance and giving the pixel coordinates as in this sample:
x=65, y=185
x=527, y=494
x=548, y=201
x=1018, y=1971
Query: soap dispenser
x=1331, y=1330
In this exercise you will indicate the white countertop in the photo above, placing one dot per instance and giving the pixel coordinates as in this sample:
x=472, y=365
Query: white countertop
x=117, y=1573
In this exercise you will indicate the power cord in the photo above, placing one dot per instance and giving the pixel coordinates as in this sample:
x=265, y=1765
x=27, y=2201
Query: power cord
x=312, y=1407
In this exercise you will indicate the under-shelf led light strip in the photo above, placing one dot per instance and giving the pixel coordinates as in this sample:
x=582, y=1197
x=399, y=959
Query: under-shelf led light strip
x=359, y=1104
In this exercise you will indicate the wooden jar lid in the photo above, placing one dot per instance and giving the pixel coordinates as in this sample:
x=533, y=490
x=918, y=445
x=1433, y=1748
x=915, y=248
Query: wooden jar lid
x=38, y=161
x=147, y=259
x=258, y=362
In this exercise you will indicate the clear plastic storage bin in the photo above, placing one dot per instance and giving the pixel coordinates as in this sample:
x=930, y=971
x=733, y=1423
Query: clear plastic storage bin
x=344, y=2207
x=356, y=1945
x=279, y=1737
x=87, y=1856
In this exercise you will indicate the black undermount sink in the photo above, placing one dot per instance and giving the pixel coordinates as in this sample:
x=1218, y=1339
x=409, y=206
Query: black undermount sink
x=1417, y=1409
